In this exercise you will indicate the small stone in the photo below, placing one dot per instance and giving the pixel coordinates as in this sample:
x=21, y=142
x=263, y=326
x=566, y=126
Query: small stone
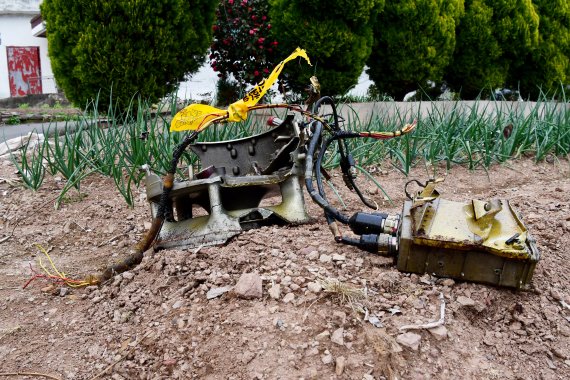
x=339, y=317
x=327, y=359
x=465, y=301
x=325, y=258
x=307, y=250
x=63, y=291
x=288, y=298
x=128, y=275
x=247, y=357
x=313, y=255
x=275, y=292
x=555, y=294
x=489, y=338
x=312, y=352
x=367, y=377
x=216, y=292
x=249, y=286
x=559, y=352
x=448, y=282
x=48, y=289
x=322, y=336
x=178, y=304
x=337, y=257
x=340, y=364
x=550, y=363
x=314, y=287
x=338, y=336
x=439, y=332
x=409, y=340
x=294, y=287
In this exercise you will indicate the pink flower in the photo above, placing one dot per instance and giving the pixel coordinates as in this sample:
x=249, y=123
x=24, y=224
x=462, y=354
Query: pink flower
x=260, y=40
x=256, y=73
x=230, y=2
x=253, y=17
x=215, y=27
x=264, y=18
x=275, y=43
x=251, y=32
x=266, y=70
x=268, y=26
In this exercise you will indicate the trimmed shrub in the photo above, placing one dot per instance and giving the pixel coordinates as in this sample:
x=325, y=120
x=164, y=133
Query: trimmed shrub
x=547, y=67
x=413, y=44
x=493, y=38
x=337, y=35
x=143, y=48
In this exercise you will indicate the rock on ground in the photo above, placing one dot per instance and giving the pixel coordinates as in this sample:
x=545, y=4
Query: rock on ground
x=249, y=286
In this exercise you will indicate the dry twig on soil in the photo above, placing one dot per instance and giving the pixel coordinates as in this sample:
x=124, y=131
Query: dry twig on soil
x=346, y=294
x=37, y=374
x=430, y=325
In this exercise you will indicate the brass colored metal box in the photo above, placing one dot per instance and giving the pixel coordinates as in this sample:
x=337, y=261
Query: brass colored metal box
x=477, y=241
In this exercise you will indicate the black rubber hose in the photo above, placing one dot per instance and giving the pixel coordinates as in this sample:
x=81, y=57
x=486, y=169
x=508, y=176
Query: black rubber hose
x=136, y=255
x=339, y=135
x=330, y=211
x=165, y=203
x=330, y=101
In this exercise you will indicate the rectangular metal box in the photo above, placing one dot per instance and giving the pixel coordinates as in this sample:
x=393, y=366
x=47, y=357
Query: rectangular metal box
x=465, y=241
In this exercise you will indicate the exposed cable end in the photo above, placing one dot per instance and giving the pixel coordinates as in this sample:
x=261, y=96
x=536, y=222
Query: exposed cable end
x=335, y=231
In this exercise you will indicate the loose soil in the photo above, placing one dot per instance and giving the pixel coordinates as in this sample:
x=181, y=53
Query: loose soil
x=155, y=321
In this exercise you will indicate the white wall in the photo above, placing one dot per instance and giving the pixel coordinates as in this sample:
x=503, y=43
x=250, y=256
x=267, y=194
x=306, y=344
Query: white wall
x=16, y=30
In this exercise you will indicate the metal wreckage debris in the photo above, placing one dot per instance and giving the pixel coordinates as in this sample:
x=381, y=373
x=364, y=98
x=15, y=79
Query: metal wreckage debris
x=480, y=241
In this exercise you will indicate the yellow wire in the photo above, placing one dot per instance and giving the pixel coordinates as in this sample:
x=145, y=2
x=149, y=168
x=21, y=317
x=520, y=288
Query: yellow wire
x=61, y=275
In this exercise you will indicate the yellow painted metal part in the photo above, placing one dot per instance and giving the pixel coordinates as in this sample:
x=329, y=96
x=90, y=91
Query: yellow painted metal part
x=490, y=226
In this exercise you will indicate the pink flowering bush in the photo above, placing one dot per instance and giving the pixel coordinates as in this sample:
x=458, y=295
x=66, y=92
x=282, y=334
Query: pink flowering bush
x=243, y=45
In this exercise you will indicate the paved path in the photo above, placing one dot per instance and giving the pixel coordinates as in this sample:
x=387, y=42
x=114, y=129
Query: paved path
x=8, y=132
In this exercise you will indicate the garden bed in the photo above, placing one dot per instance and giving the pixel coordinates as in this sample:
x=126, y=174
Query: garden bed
x=155, y=322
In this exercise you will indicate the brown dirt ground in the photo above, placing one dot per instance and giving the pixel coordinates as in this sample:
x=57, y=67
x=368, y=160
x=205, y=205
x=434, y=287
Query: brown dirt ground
x=156, y=323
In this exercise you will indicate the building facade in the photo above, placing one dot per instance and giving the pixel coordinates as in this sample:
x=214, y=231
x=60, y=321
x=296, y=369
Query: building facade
x=24, y=63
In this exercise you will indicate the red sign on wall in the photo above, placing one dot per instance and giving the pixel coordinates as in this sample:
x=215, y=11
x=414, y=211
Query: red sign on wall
x=24, y=70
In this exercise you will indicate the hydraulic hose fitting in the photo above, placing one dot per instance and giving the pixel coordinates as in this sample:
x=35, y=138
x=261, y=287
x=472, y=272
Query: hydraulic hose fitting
x=383, y=244
x=391, y=224
x=367, y=223
x=374, y=223
x=387, y=245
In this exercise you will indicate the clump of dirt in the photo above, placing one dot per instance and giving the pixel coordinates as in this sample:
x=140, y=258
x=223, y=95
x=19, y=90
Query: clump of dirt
x=156, y=321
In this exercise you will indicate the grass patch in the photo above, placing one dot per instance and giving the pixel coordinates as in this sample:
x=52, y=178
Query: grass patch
x=477, y=136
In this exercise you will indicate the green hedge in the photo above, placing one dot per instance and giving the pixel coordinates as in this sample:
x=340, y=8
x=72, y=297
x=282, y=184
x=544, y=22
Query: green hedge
x=337, y=35
x=143, y=48
x=413, y=42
